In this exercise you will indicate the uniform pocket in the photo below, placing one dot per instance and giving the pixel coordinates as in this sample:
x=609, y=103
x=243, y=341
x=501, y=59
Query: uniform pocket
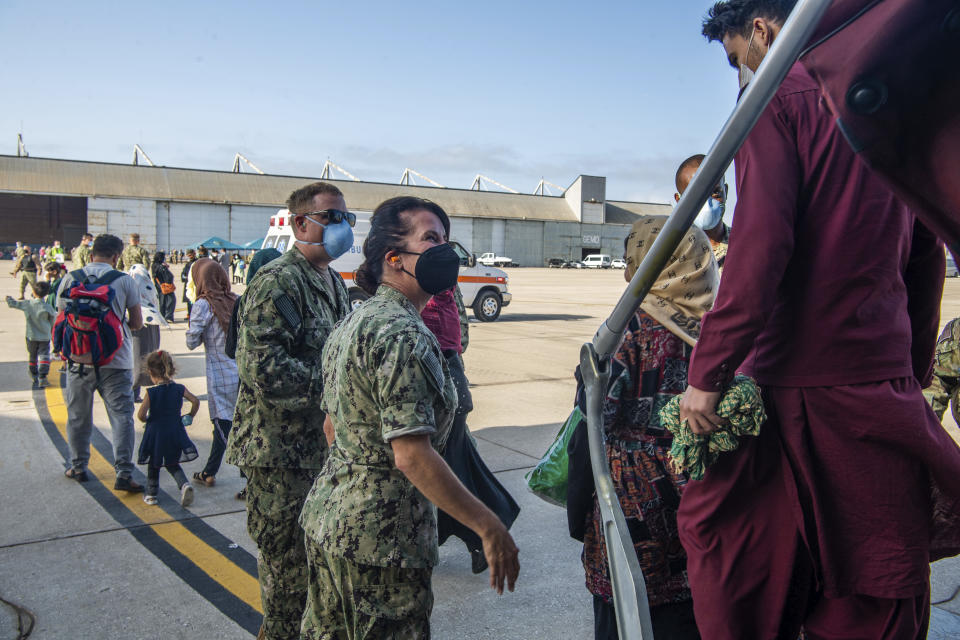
x=315, y=334
x=395, y=610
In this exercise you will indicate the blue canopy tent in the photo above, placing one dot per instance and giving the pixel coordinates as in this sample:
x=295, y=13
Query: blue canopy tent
x=215, y=242
x=254, y=244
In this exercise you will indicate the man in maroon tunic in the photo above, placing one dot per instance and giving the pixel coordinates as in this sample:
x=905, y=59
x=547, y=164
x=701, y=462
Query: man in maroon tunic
x=830, y=299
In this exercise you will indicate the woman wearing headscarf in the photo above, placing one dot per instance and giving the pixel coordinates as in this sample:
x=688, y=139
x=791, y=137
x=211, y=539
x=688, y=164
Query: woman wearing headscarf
x=163, y=279
x=209, y=322
x=146, y=340
x=647, y=370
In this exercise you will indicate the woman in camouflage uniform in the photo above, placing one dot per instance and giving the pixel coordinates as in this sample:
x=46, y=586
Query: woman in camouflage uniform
x=370, y=519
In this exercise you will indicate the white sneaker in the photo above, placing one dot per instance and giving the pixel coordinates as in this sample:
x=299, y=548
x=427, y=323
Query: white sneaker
x=186, y=495
x=151, y=500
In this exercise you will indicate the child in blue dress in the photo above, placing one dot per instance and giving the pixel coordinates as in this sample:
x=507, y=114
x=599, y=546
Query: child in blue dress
x=165, y=442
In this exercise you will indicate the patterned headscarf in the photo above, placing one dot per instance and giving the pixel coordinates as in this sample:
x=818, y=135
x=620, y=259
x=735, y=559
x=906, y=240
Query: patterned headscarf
x=148, y=295
x=213, y=285
x=687, y=286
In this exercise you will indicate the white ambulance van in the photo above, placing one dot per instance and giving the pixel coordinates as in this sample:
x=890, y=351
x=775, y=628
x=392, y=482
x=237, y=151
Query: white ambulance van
x=484, y=289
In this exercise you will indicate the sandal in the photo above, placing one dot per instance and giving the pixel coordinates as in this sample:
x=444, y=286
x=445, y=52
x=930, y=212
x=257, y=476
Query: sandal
x=73, y=474
x=205, y=478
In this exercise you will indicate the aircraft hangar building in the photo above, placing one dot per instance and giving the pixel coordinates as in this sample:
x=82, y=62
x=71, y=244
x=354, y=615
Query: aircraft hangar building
x=42, y=200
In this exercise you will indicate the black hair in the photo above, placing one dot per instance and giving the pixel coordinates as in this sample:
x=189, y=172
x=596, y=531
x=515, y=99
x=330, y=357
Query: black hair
x=159, y=257
x=106, y=246
x=303, y=197
x=388, y=230
x=693, y=161
x=42, y=289
x=736, y=16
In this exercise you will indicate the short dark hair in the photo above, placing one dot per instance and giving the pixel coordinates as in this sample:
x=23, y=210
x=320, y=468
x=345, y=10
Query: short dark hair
x=303, y=197
x=388, y=230
x=693, y=161
x=87, y=236
x=106, y=246
x=41, y=288
x=735, y=16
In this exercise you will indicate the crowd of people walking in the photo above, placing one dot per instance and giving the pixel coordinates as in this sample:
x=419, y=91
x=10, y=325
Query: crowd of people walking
x=350, y=424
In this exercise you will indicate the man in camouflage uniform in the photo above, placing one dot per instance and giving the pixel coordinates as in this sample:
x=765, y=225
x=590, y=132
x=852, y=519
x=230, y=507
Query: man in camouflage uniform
x=133, y=254
x=27, y=266
x=81, y=255
x=285, y=317
x=943, y=391
x=720, y=234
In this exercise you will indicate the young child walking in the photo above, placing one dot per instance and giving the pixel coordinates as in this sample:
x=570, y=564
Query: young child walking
x=40, y=318
x=165, y=442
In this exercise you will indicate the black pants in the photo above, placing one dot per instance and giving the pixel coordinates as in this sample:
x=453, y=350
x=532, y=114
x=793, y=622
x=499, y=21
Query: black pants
x=674, y=621
x=153, y=477
x=168, y=303
x=38, y=357
x=221, y=431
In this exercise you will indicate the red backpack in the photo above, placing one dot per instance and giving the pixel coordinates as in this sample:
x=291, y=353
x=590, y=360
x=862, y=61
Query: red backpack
x=87, y=330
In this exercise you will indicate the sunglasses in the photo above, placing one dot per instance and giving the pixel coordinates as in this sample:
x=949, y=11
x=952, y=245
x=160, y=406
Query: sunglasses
x=334, y=216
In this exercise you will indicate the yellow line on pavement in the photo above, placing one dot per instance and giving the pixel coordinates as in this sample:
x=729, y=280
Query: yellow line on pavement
x=206, y=558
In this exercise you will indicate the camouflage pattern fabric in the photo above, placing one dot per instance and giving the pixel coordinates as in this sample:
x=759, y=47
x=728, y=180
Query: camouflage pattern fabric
x=276, y=421
x=945, y=385
x=464, y=322
x=133, y=254
x=27, y=279
x=361, y=602
x=19, y=253
x=80, y=257
x=274, y=499
x=385, y=378
x=741, y=405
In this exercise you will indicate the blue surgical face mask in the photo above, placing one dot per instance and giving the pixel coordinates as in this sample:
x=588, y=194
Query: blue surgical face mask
x=710, y=215
x=337, y=237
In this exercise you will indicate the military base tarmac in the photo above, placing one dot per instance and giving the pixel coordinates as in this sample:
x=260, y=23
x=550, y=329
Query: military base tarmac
x=85, y=561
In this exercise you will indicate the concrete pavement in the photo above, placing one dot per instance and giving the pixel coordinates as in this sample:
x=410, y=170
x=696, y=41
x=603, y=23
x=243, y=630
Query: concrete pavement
x=93, y=564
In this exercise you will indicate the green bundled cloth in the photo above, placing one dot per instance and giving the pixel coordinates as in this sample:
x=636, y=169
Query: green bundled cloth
x=741, y=405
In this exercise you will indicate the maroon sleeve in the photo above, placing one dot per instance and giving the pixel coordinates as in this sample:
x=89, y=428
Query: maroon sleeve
x=768, y=179
x=924, y=280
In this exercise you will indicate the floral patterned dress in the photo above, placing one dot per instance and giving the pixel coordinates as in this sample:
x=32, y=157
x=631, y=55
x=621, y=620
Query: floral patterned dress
x=649, y=368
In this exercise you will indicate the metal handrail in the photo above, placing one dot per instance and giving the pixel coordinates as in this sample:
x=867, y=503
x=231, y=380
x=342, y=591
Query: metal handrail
x=626, y=577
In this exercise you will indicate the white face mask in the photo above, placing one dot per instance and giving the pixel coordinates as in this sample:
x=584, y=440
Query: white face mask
x=746, y=73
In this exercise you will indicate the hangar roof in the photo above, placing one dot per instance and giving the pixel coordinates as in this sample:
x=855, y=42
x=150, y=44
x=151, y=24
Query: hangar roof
x=80, y=178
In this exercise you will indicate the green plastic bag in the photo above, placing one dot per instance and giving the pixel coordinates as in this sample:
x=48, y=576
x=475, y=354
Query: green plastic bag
x=548, y=480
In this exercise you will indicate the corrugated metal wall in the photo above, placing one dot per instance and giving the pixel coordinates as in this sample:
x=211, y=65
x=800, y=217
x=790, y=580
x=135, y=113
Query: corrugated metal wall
x=123, y=216
x=461, y=230
x=171, y=225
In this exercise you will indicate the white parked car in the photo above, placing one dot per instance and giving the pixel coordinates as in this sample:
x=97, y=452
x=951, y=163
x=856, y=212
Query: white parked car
x=484, y=288
x=619, y=263
x=597, y=261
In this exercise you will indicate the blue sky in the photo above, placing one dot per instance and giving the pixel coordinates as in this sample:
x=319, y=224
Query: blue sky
x=515, y=91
